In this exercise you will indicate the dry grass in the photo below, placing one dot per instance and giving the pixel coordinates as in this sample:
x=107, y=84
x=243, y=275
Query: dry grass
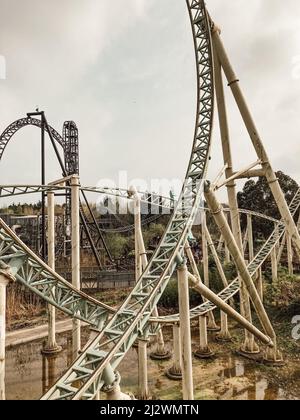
x=22, y=305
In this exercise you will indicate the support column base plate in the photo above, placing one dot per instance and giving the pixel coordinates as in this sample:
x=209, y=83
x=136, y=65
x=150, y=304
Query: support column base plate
x=204, y=354
x=274, y=360
x=214, y=329
x=51, y=351
x=174, y=376
x=254, y=356
x=161, y=356
x=224, y=338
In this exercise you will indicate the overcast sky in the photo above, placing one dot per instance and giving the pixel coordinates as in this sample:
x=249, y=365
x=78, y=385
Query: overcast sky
x=124, y=71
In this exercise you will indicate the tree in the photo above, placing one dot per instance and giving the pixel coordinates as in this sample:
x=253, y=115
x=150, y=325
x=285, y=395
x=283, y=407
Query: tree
x=258, y=197
x=117, y=244
x=152, y=235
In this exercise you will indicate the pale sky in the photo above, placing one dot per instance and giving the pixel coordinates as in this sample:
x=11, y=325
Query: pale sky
x=124, y=71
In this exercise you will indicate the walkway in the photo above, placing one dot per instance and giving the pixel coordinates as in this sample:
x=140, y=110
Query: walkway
x=27, y=335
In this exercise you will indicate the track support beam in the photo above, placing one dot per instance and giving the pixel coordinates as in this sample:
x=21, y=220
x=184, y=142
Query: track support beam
x=204, y=351
x=175, y=371
x=75, y=241
x=51, y=345
x=231, y=186
x=143, y=369
x=185, y=334
x=218, y=214
x=233, y=83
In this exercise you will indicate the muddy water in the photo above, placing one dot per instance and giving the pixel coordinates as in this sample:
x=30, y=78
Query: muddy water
x=227, y=377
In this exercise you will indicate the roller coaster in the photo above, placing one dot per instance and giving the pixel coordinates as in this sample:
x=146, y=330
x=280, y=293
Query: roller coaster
x=115, y=330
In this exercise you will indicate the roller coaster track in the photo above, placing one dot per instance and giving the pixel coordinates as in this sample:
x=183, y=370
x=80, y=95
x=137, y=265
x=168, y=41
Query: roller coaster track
x=160, y=201
x=83, y=379
x=234, y=287
x=35, y=275
x=70, y=150
x=12, y=129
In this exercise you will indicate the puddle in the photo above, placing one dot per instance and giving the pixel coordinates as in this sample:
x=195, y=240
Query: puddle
x=228, y=377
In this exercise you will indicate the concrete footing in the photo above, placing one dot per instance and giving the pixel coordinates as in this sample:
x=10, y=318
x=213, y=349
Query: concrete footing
x=204, y=351
x=211, y=324
x=273, y=357
x=114, y=392
x=175, y=371
x=224, y=335
x=51, y=351
x=250, y=347
x=163, y=355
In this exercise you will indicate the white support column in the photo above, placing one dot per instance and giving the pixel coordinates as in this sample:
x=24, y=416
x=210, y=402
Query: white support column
x=281, y=248
x=204, y=351
x=143, y=370
x=224, y=335
x=231, y=187
x=185, y=333
x=51, y=345
x=75, y=240
x=227, y=253
x=276, y=228
x=274, y=266
x=5, y=279
x=212, y=326
x=160, y=353
x=137, y=232
x=260, y=284
x=290, y=254
x=205, y=253
x=217, y=211
x=175, y=371
x=220, y=244
x=250, y=237
x=233, y=82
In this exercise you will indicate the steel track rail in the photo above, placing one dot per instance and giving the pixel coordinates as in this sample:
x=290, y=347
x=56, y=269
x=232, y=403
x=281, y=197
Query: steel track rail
x=234, y=287
x=35, y=275
x=83, y=379
x=15, y=253
x=13, y=128
x=7, y=191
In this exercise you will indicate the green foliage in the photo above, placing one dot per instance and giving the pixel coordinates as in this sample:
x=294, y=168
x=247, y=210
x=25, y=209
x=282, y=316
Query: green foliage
x=215, y=280
x=284, y=295
x=258, y=197
x=169, y=299
x=153, y=234
x=118, y=245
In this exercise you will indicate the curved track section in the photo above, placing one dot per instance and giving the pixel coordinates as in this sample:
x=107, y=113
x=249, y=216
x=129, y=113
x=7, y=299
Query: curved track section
x=83, y=379
x=233, y=288
x=13, y=128
x=35, y=275
x=160, y=202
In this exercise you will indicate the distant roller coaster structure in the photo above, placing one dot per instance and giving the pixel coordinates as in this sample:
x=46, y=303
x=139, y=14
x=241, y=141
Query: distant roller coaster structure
x=70, y=146
x=115, y=331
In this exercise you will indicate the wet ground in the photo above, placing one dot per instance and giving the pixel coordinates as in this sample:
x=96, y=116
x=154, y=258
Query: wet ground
x=226, y=377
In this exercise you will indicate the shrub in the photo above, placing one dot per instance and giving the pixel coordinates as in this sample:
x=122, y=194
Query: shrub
x=169, y=299
x=284, y=295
